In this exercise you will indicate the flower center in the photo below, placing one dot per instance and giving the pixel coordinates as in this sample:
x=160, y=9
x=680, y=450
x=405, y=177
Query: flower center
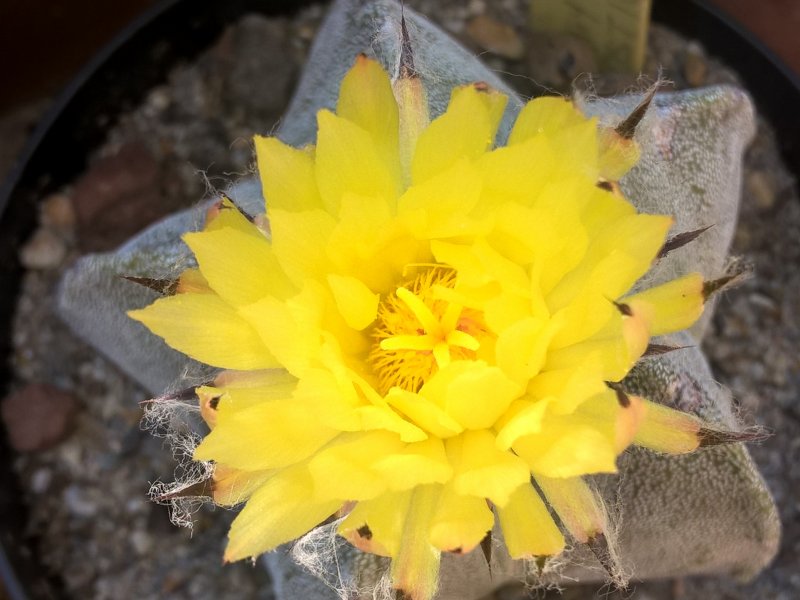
x=418, y=331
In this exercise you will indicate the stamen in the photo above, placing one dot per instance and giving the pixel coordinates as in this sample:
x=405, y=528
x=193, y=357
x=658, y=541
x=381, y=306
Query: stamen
x=451, y=315
x=426, y=318
x=462, y=340
x=408, y=342
x=441, y=352
x=420, y=330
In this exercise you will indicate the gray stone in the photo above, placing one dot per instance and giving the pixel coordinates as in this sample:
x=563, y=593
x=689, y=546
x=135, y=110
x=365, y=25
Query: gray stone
x=45, y=250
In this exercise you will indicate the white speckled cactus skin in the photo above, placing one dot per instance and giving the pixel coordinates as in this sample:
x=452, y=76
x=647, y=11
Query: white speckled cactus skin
x=708, y=512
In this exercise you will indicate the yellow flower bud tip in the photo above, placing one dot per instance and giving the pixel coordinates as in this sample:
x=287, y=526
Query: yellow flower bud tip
x=737, y=272
x=622, y=398
x=441, y=308
x=212, y=212
x=224, y=204
x=208, y=399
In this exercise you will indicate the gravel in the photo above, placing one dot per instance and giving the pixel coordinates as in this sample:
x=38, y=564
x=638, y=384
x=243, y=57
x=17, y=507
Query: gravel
x=98, y=532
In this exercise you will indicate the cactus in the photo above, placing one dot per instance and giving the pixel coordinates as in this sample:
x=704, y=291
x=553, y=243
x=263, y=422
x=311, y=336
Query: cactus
x=699, y=513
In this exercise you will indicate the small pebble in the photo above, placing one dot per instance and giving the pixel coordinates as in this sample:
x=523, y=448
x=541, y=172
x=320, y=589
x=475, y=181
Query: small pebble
x=764, y=302
x=306, y=32
x=496, y=37
x=141, y=542
x=476, y=7
x=118, y=195
x=44, y=250
x=695, y=66
x=761, y=189
x=58, y=213
x=38, y=416
x=78, y=502
x=159, y=99
x=40, y=480
x=135, y=505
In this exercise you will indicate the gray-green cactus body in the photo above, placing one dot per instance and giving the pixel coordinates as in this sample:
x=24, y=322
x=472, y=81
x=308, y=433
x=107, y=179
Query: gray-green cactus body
x=708, y=512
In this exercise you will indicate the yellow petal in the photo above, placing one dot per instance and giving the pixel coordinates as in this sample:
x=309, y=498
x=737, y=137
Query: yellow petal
x=460, y=522
x=569, y=387
x=424, y=413
x=230, y=380
x=617, y=154
x=517, y=173
x=239, y=393
x=292, y=329
x=298, y=241
x=414, y=117
x=225, y=214
x=528, y=528
x=464, y=388
x=358, y=242
x=207, y=399
x=357, y=304
x=232, y=486
x=207, y=329
x=522, y=348
x=471, y=271
x=465, y=130
x=570, y=446
x=383, y=417
x=672, y=306
x=241, y=268
x=575, y=148
x=667, y=430
x=616, y=258
x=345, y=470
x=267, y=435
x=482, y=470
x=577, y=505
x=415, y=569
x=287, y=175
x=551, y=231
x=348, y=162
x=376, y=525
x=333, y=400
x=621, y=253
x=625, y=419
x=279, y=511
x=615, y=349
x=418, y=463
x=192, y=281
x=439, y=207
x=524, y=417
x=544, y=116
x=366, y=98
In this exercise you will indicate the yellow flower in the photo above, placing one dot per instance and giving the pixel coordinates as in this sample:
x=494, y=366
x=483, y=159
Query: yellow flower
x=426, y=335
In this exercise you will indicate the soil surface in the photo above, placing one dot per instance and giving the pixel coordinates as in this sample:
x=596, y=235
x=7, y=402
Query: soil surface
x=86, y=476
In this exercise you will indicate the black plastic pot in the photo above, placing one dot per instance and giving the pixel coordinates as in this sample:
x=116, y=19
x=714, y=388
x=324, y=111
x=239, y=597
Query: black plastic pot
x=139, y=58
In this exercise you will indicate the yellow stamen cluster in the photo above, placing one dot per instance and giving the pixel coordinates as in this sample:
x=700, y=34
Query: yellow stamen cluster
x=418, y=332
